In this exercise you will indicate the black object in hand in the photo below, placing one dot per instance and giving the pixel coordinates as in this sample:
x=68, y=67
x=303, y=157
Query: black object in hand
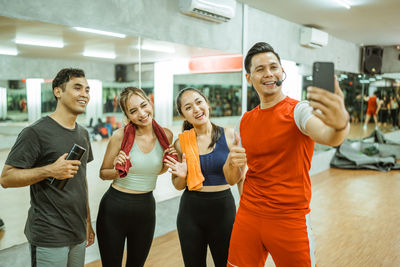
x=324, y=75
x=76, y=153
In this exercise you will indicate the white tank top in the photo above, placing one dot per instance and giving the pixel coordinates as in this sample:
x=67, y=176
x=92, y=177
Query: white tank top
x=142, y=176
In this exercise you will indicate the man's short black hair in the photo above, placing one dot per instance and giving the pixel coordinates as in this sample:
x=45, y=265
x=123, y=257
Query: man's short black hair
x=64, y=75
x=260, y=47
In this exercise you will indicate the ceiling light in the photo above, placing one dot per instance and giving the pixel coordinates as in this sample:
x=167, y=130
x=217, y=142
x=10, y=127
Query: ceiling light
x=344, y=3
x=157, y=48
x=119, y=35
x=41, y=42
x=99, y=54
x=8, y=51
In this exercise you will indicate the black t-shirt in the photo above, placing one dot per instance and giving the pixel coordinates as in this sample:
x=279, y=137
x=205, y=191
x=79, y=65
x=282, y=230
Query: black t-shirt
x=56, y=217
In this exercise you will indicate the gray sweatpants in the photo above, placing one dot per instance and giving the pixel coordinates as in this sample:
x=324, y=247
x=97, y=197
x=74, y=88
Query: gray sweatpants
x=71, y=256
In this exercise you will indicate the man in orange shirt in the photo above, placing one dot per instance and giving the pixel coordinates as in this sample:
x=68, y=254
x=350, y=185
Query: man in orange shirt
x=277, y=140
x=372, y=109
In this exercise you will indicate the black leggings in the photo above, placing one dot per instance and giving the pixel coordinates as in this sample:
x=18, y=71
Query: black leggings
x=394, y=113
x=205, y=218
x=125, y=216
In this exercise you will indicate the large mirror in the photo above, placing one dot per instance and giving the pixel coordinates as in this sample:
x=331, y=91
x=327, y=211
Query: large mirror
x=159, y=68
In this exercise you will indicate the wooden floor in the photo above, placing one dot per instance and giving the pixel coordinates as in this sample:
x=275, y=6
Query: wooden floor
x=355, y=217
x=165, y=251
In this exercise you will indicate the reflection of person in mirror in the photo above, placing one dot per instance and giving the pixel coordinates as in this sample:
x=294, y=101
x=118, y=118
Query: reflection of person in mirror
x=58, y=227
x=133, y=160
x=278, y=136
x=383, y=110
x=151, y=97
x=207, y=208
x=394, y=110
x=22, y=105
x=218, y=106
x=115, y=103
x=356, y=109
x=372, y=109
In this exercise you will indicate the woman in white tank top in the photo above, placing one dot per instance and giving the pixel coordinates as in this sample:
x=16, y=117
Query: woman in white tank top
x=127, y=209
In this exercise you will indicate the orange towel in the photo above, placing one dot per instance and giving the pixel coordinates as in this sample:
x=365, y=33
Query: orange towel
x=188, y=142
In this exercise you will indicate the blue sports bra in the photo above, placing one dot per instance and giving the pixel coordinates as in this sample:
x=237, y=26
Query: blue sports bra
x=213, y=162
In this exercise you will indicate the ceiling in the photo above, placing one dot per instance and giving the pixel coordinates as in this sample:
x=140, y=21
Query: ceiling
x=76, y=42
x=367, y=22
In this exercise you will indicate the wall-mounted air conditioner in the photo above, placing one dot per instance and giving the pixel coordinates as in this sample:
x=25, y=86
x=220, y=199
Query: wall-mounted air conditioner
x=312, y=37
x=214, y=10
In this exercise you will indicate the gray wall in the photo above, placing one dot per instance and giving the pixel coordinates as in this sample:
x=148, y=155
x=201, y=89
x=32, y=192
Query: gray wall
x=284, y=36
x=15, y=68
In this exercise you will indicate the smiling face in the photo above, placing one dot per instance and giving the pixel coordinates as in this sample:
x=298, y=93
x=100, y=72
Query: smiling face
x=138, y=110
x=75, y=96
x=194, y=108
x=265, y=71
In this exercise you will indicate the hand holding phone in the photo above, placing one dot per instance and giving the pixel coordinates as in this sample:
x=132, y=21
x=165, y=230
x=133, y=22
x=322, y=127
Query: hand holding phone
x=75, y=153
x=328, y=107
x=323, y=75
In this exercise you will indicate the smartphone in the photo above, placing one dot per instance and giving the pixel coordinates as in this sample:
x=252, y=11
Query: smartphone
x=75, y=153
x=323, y=75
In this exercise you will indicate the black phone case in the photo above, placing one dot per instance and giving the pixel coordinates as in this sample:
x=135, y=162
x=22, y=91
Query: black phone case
x=323, y=75
x=75, y=153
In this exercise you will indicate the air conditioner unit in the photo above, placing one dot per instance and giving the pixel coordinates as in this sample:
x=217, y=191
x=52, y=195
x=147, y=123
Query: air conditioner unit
x=314, y=38
x=214, y=10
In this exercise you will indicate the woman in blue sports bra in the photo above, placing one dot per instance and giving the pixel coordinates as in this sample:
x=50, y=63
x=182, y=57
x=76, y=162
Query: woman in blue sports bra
x=206, y=215
x=133, y=160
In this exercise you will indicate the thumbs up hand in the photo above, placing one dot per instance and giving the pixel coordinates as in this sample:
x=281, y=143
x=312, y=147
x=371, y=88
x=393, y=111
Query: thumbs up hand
x=237, y=140
x=237, y=154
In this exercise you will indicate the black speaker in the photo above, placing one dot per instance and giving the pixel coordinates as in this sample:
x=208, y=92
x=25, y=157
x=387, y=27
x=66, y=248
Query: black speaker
x=120, y=72
x=371, y=59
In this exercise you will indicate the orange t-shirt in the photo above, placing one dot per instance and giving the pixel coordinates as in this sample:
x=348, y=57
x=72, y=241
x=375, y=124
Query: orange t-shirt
x=279, y=159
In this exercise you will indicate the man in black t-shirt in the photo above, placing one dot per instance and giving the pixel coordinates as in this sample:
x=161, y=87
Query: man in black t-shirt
x=58, y=226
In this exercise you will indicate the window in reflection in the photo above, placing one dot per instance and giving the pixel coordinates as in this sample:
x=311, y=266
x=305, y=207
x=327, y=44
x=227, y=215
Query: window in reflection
x=222, y=89
x=48, y=101
x=252, y=98
x=17, y=106
x=111, y=91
